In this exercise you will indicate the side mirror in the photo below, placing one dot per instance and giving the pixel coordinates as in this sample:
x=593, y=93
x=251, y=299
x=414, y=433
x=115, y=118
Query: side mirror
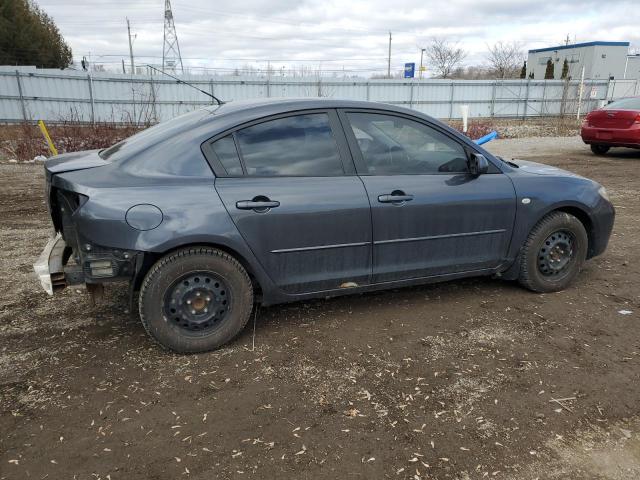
x=477, y=164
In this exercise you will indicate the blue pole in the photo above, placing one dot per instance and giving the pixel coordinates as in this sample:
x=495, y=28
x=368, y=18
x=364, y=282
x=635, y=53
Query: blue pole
x=487, y=138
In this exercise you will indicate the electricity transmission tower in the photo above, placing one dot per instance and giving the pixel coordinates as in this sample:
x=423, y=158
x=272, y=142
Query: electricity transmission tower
x=171, y=59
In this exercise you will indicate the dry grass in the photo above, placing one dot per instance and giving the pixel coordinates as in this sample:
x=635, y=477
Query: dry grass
x=24, y=142
x=517, y=128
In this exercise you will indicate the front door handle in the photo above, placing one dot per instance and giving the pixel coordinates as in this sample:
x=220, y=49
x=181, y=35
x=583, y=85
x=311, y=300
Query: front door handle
x=257, y=205
x=395, y=198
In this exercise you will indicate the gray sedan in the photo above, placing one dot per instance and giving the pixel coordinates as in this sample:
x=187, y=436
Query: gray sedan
x=273, y=201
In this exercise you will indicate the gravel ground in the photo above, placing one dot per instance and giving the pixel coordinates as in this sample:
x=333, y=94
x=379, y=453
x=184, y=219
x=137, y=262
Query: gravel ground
x=538, y=146
x=462, y=380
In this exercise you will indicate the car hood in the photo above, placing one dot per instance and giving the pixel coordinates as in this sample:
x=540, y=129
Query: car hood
x=68, y=162
x=525, y=166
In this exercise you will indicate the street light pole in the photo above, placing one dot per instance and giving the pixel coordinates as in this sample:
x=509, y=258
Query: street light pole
x=389, y=59
x=133, y=68
x=421, y=55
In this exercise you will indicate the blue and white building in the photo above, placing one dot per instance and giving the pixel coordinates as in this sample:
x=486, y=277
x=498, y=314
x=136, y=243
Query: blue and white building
x=601, y=60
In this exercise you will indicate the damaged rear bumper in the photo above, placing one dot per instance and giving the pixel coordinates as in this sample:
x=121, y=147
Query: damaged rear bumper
x=49, y=267
x=92, y=265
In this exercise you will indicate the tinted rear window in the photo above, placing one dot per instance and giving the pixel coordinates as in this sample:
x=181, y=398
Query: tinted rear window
x=624, y=104
x=301, y=145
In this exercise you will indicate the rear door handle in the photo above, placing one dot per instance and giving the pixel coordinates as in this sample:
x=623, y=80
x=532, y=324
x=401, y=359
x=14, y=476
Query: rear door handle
x=394, y=198
x=259, y=205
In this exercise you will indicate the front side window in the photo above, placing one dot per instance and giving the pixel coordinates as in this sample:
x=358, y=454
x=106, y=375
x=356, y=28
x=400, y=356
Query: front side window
x=301, y=145
x=393, y=145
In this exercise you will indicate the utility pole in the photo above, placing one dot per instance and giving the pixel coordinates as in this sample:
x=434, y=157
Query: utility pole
x=580, y=92
x=421, y=56
x=567, y=40
x=133, y=71
x=389, y=59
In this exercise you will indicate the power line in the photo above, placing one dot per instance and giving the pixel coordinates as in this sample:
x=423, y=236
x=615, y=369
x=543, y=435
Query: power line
x=253, y=59
x=255, y=69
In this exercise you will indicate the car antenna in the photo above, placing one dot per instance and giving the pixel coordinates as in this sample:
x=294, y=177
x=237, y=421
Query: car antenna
x=220, y=102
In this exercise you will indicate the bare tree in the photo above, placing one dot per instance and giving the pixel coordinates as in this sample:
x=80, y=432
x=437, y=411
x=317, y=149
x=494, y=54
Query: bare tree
x=472, y=72
x=444, y=56
x=505, y=59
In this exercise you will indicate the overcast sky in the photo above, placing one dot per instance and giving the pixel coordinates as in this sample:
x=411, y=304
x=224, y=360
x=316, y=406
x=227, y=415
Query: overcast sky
x=333, y=34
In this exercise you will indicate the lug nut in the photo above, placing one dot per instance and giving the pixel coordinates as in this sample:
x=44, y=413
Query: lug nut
x=188, y=302
x=193, y=312
x=197, y=294
x=208, y=299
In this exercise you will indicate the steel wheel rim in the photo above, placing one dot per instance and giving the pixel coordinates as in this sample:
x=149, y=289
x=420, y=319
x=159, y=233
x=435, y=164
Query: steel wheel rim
x=197, y=302
x=556, y=254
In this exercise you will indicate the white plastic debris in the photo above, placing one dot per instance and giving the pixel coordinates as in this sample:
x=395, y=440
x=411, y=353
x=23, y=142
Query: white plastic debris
x=625, y=312
x=40, y=158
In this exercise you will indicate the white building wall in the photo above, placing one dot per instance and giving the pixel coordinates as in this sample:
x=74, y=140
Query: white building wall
x=601, y=60
x=608, y=62
x=633, y=67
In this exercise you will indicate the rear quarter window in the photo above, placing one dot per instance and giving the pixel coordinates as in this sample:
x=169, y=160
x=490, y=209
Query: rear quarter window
x=226, y=152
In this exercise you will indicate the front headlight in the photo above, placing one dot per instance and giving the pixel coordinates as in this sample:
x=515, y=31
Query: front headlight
x=603, y=193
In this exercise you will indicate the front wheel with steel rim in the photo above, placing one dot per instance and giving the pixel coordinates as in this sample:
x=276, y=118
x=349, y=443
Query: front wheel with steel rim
x=195, y=300
x=554, y=253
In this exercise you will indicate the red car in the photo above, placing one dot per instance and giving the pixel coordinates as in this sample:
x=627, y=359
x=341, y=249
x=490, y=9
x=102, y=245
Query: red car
x=616, y=125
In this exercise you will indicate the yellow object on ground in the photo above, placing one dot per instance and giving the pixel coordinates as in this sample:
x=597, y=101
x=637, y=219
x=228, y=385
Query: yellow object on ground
x=44, y=131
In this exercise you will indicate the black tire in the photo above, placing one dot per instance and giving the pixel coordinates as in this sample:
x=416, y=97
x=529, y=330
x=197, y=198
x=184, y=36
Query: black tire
x=536, y=273
x=165, y=278
x=600, y=149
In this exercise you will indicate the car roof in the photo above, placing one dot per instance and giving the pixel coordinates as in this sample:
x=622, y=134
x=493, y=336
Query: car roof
x=274, y=105
x=156, y=147
x=198, y=125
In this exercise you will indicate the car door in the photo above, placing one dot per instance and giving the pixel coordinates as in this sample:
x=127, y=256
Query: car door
x=289, y=184
x=430, y=216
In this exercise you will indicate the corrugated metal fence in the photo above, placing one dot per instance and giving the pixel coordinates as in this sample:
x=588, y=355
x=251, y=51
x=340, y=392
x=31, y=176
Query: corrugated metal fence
x=52, y=95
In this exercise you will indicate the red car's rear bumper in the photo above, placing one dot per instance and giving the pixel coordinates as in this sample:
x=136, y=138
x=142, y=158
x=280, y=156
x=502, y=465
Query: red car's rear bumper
x=621, y=137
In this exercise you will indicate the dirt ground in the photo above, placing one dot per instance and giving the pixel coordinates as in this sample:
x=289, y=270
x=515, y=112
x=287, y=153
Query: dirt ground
x=462, y=380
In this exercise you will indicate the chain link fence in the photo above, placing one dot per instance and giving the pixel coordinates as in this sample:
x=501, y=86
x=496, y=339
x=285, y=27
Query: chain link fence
x=30, y=94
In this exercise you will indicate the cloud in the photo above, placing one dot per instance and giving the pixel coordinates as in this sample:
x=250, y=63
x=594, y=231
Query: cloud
x=331, y=34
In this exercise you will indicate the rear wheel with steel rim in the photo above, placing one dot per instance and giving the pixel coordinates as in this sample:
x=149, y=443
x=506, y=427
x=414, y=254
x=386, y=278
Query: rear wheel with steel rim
x=554, y=253
x=195, y=300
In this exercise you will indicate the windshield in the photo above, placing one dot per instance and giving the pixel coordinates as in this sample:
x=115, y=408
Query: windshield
x=152, y=135
x=625, y=104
